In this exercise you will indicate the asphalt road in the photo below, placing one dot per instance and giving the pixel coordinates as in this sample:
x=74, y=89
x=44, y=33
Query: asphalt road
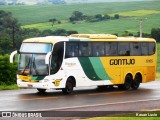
x=96, y=103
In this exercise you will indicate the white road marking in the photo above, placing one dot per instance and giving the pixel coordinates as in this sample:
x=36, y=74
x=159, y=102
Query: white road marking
x=94, y=105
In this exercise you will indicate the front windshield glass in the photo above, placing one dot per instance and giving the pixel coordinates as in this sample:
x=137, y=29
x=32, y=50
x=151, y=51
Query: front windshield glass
x=36, y=47
x=32, y=64
x=32, y=58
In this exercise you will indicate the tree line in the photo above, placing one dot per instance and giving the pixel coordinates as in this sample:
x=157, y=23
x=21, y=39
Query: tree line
x=79, y=16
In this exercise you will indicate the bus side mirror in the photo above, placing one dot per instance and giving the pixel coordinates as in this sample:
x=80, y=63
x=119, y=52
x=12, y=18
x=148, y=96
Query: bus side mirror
x=47, y=58
x=12, y=56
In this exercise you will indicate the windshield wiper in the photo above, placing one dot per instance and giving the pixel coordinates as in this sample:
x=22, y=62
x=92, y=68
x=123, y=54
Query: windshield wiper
x=34, y=66
x=26, y=66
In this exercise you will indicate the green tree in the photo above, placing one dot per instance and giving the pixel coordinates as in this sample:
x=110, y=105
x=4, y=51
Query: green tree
x=72, y=32
x=76, y=16
x=116, y=16
x=155, y=33
x=7, y=71
x=106, y=16
x=61, y=32
x=9, y=28
x=100, y=17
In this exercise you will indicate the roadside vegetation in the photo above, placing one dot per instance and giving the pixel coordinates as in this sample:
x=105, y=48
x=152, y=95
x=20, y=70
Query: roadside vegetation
x=131, y=116
x=9, y=87
x=158, y=62
x=124, y=118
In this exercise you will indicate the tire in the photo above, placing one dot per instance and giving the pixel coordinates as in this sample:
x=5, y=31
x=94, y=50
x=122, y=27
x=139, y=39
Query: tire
x=41, y=90
x=69, y=87
x=104, y=87
x=127, y=84
x=136, y=82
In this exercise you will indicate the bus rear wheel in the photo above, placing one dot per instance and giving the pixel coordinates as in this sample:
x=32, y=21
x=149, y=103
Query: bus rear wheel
x=41, y=90
x=136, y=82
x=127, y=84
x=104, y=87
x=69, y=87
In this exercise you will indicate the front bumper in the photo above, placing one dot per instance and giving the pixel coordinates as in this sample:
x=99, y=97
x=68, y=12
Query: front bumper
x=44, y=85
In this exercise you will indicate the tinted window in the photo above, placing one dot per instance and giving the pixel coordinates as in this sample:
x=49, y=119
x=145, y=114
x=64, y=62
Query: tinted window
x=88, y=49
x=135, y=48
x=71, y=49
x=57, y=57
x=144, y=47
x=111, y=48
x=152, y=48
x=98, y=49
x=85, y=49
x=123, y=49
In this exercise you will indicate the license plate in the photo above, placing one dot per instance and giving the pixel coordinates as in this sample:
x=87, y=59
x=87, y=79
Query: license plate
x=29, y=85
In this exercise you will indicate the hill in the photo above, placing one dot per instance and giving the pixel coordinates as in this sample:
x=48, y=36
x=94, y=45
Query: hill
x=38, y=16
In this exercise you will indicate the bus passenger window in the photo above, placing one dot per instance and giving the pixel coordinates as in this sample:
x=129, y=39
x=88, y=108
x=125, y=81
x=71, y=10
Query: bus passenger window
x=98, y=49
x=152, y=48
x=135, y=48
x=123, y=49
x=71, y=49
x=111, y=48
x=144, y=48
x=85, y=49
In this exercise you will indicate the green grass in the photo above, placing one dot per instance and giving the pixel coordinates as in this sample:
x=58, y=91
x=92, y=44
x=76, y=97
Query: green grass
x=131, y=116
x=125, y=118
x=37, y=14
x=138, y=13
x=158, y=76
x=158, y=62
x=8, y=87
x=111, y=26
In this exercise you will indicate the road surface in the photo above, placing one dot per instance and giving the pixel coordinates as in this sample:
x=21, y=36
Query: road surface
x=96, y=103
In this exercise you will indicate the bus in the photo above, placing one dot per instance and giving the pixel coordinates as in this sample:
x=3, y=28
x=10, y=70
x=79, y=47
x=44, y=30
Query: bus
x=66, y=62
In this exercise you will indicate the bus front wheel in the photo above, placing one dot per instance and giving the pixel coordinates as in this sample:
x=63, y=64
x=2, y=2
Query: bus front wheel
x=127, y=84
x=69, y=87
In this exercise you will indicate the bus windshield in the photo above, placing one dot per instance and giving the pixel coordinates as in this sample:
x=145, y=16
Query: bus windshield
x=32, y=64
x=36, y=47
x=32, y=58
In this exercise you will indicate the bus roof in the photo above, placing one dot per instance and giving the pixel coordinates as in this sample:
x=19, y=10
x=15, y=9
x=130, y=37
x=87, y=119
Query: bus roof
x=95, y=36
x=109, y=37
x=86, y=37
x=47, y=39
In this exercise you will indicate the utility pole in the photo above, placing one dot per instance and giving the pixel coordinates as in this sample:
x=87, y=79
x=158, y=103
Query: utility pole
x=140, y=27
